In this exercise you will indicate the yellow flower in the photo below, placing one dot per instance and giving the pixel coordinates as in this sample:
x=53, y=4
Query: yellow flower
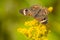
x=22, y=30
x=19, y=29
x=44, y=38
x=35, y=31
x=43, y=30
x=27, y=23
x=29, y=35
x=50, y=9
x=31, y=29
x=31, y=23
x=38, y=39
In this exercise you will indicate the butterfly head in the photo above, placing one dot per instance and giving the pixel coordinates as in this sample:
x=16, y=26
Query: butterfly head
x=25, y=12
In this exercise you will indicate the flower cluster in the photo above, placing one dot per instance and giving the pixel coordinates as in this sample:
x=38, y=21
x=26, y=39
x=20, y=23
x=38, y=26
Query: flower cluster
x=36, y=31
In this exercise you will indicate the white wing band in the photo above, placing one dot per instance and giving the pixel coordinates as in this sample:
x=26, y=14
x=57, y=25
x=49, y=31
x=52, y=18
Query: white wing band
x=43, y=21
x=24, y=12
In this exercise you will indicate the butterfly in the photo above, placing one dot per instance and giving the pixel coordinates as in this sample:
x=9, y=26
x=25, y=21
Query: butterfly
x=38, y=12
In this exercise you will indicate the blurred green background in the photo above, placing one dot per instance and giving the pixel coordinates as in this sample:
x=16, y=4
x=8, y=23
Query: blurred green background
x=11, y=19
